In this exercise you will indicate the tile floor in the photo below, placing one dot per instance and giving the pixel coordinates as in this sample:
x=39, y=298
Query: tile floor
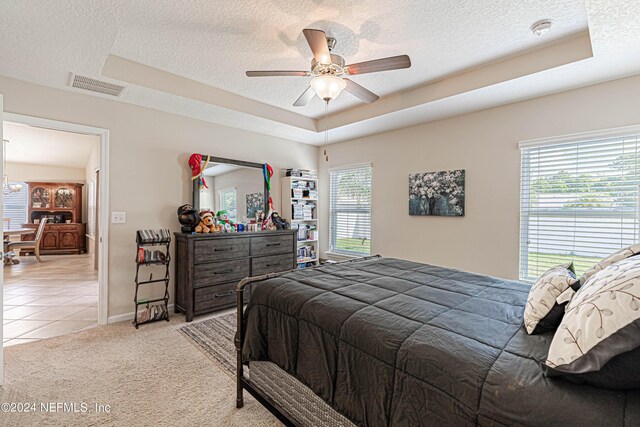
x=55, y=297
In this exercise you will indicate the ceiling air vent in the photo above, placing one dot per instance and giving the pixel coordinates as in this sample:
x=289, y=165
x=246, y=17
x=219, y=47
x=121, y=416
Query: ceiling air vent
x=87, y=83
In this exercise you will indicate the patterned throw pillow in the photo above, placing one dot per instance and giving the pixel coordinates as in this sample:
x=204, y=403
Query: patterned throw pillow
x=542, y=312
x=611, y=259
x=601, y=323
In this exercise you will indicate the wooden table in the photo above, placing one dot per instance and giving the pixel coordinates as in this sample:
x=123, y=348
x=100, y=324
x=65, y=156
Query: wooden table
x=10, y=260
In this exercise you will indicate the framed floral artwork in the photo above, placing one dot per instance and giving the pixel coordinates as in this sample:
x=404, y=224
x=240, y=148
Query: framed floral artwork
x=437, y=193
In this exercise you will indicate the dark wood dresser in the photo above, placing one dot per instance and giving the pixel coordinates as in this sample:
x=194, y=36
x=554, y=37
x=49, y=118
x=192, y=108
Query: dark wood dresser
x=209, y=266
x=58, y=238
x=61, y=203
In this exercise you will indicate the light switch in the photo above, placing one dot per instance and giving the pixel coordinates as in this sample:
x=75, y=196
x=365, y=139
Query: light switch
x=118, y=217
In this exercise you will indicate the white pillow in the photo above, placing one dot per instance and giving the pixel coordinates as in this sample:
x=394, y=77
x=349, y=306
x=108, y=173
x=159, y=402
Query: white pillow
x=542, y=312
x=601, y=321
x=611, y=259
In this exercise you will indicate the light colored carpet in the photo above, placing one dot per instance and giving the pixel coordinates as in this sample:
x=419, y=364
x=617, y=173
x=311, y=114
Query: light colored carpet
x=150, y=376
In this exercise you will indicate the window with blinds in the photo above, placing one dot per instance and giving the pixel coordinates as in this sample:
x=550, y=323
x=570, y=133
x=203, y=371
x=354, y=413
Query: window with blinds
x=350, y=210
x=579, y=202
x=15, y=207
x=228, y=203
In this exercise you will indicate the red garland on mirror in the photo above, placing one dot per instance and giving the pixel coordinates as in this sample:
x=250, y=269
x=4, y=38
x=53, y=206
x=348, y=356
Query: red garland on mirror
x=195, y=163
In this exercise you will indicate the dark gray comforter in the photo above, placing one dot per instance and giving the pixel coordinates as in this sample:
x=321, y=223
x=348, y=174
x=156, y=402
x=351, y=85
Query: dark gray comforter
x=393, y=342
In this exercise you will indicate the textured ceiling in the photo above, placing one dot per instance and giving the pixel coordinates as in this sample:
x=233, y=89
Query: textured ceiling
x=28, y=144
x=215, y=45
x=214, y=42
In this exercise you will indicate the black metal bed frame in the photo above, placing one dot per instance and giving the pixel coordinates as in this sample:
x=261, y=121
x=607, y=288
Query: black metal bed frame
x=241, y=383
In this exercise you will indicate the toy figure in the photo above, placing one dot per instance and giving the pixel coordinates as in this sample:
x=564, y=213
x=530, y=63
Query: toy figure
x=224, y=221
x=207, y=224
x=279, y=222
x=188, y=218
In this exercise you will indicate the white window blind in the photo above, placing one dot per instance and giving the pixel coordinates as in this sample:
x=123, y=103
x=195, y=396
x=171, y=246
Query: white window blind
x=228, y=203
x=15, y=206
x=579, y=202
x=350, y=210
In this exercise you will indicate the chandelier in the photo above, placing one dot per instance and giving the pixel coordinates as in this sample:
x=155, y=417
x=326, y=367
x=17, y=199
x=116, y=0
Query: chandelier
x=7, y=188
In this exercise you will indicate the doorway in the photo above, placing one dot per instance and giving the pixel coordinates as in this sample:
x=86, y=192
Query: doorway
x=66, y=290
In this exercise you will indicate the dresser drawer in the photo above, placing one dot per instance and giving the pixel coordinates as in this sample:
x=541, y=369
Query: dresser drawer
x=216, y=297
x=271, y=264
x=217, y=249
x=220, y=272
x=69, y=227
x=267, y=245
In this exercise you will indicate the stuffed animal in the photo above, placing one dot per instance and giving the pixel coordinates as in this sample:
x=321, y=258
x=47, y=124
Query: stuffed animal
x=223, y=218
x=279, y=222
x=207, y=224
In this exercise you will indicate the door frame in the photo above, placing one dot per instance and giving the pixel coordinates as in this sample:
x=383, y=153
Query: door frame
x=2, y=257
x=103, y=196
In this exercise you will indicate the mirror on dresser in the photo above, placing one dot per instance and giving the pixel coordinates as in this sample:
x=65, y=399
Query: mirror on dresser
x=235, y=186
x=210, y=265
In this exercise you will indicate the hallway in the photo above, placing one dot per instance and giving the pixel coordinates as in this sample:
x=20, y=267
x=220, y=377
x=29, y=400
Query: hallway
x=55, y=297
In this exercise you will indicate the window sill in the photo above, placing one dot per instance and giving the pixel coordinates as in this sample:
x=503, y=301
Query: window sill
x=337, y=256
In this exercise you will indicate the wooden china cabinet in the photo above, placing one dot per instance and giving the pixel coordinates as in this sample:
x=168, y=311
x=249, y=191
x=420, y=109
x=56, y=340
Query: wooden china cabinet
x=61, y=203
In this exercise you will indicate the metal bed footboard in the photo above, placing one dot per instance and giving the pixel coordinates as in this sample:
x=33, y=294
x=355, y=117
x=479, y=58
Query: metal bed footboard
x=241, y=382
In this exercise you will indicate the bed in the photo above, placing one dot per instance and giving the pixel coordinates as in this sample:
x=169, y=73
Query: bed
x=391, y=342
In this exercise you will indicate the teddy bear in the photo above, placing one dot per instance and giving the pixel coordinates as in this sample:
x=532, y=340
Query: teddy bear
x=207, y=224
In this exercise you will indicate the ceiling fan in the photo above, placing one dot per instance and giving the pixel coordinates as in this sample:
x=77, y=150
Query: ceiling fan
x=329, y=71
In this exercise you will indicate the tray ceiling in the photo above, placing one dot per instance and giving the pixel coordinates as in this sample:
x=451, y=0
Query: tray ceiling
x=213, y=43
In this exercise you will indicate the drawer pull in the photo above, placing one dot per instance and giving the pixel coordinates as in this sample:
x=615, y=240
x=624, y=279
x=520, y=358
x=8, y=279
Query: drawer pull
x=273, y=244
x=222, y=272
x=223, y=294
x=230, y=248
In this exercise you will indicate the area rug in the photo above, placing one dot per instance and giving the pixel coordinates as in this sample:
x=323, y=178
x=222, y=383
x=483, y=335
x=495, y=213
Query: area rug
x=215, y=338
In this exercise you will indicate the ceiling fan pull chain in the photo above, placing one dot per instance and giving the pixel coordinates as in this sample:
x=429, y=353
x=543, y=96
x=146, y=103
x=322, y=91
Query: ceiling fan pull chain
x=326, y=122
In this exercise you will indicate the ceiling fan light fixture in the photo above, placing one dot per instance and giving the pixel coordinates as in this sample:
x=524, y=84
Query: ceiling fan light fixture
x=328, y=87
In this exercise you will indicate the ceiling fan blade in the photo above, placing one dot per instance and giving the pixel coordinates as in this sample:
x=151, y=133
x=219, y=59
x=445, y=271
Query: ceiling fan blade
x=277, y=73
x=384, y=64
x=305, y=97
x=359, y=92
x=317, y=40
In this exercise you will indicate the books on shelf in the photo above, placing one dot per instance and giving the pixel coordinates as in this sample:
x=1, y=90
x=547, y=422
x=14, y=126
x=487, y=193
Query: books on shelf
x=303, y=209
x=299, y=206
x=146, y=255
x=306, y=231
x=304, y=189
x=146, y=237
x=307, y=252
x=302, y=173
x=153, y=312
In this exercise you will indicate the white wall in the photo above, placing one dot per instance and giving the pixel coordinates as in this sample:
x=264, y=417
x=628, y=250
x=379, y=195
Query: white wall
x=245, y=181
x=149, y=176
x=44, y=173
x=486, y=239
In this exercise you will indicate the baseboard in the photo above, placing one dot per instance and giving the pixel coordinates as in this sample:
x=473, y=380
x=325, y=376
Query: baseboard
x=128, y=316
